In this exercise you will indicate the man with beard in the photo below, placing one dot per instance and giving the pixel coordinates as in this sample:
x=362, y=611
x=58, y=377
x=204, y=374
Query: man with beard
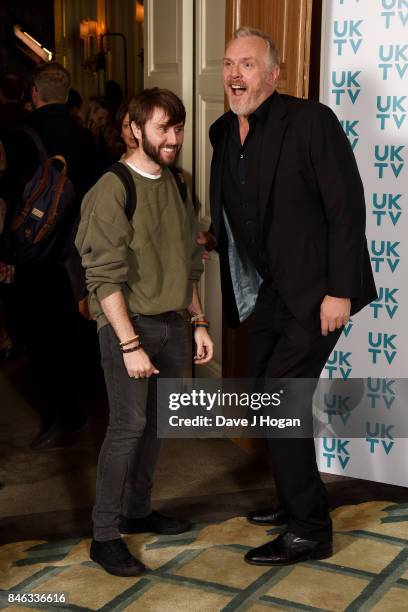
x=140, y=274
x=288, y=213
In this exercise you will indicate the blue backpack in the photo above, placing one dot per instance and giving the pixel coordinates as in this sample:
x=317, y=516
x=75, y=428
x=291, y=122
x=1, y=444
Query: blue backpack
x=34, y=234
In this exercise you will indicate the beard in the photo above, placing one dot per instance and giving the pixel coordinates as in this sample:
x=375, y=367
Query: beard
x=249, y=102
x=155, y=152
x=244, y=107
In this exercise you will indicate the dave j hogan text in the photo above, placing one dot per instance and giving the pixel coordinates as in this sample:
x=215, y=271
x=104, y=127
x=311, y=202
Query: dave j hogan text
x=257, y=420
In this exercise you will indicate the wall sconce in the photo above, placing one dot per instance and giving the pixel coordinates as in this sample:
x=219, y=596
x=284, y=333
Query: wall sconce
x=100, y=29
x=88, y=32
x=84, y=29
x=139, y=11
x=139, y=14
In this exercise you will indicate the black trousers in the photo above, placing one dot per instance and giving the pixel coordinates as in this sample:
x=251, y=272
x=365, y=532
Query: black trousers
x=131, y=447
x=52, y=330
x=279, y=347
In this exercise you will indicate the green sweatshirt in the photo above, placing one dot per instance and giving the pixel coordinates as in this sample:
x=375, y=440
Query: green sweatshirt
x=153, y=258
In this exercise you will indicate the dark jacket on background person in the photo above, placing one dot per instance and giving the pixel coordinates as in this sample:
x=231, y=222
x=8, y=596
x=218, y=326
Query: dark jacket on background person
x=47, y=312
x=61, y=135
x=11, y=114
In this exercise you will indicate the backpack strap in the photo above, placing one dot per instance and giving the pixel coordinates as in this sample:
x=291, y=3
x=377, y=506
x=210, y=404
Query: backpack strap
x=123, y=173
x=180, y=182
x=59, y=188
x=31, y=133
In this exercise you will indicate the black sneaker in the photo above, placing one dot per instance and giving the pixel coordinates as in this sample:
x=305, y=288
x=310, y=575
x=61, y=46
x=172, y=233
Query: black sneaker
x=154, y=523
x=115, y=558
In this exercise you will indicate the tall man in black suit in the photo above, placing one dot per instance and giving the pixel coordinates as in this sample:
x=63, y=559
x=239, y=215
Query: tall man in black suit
x=288, y=213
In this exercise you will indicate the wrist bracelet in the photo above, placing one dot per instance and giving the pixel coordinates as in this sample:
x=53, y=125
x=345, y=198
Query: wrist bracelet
x=201, y=324
x=133, y=349
x=126, y=342
x=196, y=317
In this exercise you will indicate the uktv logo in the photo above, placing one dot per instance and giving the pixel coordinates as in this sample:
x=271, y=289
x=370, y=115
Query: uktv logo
x=386, y=207
x=350, y=129
x=339, y=363
x=395, y=12
x=394, y=58
x=345, y=82
x=392, y=110
x=382, y=346
x=347, y=33
x=379, y=436
x=336, y=450
x=380, y=392
x=389, y=157
x=386, y=306
x=336, y=405
x=384, y=254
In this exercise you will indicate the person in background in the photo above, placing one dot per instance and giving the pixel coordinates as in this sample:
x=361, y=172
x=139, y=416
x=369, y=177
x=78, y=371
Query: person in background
x=114, y=95
x=117, y=141
x=95, y=114
x=11, y=114
x=48, y=317
x=11, y=108
x=6, y=283
x=74, y=102
x=126, y=132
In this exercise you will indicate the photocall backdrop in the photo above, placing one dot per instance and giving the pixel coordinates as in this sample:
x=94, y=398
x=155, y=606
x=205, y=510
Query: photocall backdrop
x=365, y=81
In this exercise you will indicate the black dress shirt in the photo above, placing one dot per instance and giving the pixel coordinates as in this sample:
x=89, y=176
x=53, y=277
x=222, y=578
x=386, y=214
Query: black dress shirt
x=241, y=186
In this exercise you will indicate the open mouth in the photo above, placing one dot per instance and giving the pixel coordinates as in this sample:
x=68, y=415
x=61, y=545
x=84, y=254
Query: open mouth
x=238, y=90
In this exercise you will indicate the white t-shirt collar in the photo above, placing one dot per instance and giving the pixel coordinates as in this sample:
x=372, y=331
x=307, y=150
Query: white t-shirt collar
x=142, y=172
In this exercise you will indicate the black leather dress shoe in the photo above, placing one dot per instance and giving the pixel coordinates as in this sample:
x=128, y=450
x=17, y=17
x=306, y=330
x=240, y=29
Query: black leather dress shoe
x=287, y=549
x=154, y=523
x=270, y=516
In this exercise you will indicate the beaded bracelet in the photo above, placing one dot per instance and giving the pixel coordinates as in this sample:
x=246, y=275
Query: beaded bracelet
x=201, y=324
x=133, y=349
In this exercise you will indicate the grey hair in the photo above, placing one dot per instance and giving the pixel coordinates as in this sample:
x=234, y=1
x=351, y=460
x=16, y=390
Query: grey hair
x=272, y=50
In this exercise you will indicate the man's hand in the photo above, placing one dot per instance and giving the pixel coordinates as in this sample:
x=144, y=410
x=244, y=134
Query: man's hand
x=334, y=313
x=138, y=364
x=204, y=346
x=207, y=240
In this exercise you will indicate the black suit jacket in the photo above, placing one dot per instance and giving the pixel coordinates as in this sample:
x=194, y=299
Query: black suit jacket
x=312, y=210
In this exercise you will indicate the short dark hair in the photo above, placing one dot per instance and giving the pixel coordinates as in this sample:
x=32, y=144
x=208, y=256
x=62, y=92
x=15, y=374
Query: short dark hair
x=142, y=106
x=52, y=82
x=74, y=99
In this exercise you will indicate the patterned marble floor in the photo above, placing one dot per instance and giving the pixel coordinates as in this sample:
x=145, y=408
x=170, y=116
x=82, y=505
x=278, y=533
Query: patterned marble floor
x=204, y=571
